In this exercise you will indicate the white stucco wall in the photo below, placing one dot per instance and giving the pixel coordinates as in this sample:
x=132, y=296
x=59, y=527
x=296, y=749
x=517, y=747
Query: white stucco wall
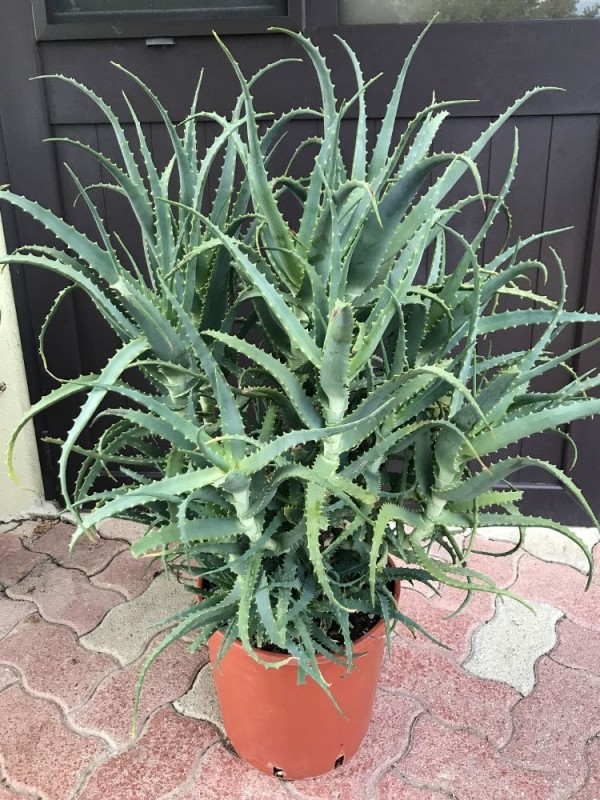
x=14, y=402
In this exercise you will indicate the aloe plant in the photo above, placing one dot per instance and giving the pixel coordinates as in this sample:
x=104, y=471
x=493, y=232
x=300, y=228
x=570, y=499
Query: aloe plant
x=322, y=420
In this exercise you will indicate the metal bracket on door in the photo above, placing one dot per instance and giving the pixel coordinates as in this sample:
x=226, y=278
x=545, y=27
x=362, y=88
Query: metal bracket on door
x=160, y=41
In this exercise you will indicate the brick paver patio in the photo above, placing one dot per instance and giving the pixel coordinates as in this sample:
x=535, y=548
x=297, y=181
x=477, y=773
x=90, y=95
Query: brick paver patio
x=511, y=711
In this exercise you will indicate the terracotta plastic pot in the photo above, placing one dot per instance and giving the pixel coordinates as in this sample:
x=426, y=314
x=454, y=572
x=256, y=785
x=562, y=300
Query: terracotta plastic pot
x=294, y=731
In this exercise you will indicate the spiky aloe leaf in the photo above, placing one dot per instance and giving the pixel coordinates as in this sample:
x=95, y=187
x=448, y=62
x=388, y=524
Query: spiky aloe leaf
x=380, y=234
x=283, y=375
x=201, y=529
x=315, y=522
x=528, y=424
x=272, y=298
x=386, y=514
x=121, y=361
x=197, y=616
x=160, y=489
x=291, y=268
x=336, y=360
x=384, y=140
x=98, y=259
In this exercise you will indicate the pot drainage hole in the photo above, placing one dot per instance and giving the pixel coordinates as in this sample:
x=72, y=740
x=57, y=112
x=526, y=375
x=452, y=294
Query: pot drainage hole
x=279, y=773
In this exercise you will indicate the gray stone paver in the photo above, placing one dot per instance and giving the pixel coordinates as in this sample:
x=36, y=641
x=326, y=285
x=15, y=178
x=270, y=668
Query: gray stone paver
x=127, y=628
x=6, y=527
x=549, y=545
x=201, y=700
x=507, y=647
x=12, y=612
x=120, y=529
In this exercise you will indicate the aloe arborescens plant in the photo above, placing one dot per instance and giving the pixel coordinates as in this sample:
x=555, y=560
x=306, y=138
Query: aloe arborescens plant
x=322, y=398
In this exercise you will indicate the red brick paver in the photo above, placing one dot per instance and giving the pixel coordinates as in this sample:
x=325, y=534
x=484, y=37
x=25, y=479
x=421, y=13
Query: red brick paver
x=386, y=741
x=109, y=712
x=469, y=768
x=591, y=788
x=65, y=596
x=88, y=556
x=561, y=587
x=52, y=663
x=393, y=787
x=222, y=776
x=7, y=677
x=12, y=612
x=578, y=647
x=431, y=614
x=38, y=753
x=552, y=724
x=127, y=575
x=163, y=759
x=15, y=561
x=453, y=695
x=503, y=571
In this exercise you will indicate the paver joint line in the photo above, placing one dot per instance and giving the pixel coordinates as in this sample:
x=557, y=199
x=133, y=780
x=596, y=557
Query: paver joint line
x=31, y=543
x=47, y=696
x=382, y=768
x=162, y=596
x=64, y=719
x=42, y=592
x=451, y=726
x=93, y=767
x=32, y=769
x=58, y=565
x=8, y=527
x=535, y=744
x=185, y=744
x=425, y=787
x=523, y=768
x=188, y=783
x=87, y=773
x=6, y=784
x=14, y=671
x=22, y=676
x=170, y=679
x=571, y=668
x=587, y=770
